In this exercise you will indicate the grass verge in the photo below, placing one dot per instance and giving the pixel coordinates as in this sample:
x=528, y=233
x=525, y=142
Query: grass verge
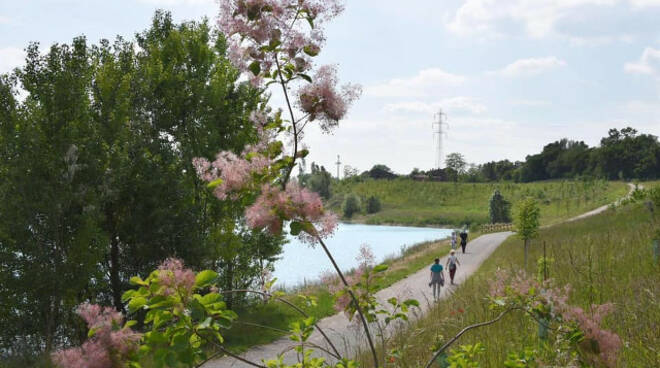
x=605, y=258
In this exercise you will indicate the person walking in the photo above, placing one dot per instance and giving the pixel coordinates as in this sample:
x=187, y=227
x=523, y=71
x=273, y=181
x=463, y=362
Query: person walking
x=452, y=264
x=453, y=239
x=437, y=279
x=463, y=236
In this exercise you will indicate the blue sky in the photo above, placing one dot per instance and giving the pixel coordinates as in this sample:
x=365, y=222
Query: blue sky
x=512, y=75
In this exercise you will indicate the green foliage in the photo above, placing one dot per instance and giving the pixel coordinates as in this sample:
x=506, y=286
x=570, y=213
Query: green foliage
x=465, y=356
x=373, y=204
x=318, y=180
x=181, y=323
x=499, y=209
x=423, y=203
x=87, y=199
x=528, y=219
x=598, y=271
x=351, y=205
x=456, y=162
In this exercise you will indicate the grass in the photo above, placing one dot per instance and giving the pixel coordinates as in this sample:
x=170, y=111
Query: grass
x=605, y=258
x=409, y=202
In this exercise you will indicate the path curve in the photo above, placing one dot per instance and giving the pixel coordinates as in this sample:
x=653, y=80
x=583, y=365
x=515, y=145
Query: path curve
x=348, y=336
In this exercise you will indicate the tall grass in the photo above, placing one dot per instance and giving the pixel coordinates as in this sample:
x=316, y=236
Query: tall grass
x=605, y=258
x=409, y=202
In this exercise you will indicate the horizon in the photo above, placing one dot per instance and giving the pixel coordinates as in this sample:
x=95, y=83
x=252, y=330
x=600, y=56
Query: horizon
x=517, y=76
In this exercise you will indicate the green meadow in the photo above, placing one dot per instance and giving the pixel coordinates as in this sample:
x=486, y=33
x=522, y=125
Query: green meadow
x=418, y=203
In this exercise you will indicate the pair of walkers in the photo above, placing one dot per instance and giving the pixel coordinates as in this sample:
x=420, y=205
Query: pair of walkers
x=438, y=276
x=463, y=235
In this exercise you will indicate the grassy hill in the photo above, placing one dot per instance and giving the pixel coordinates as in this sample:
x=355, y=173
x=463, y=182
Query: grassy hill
x=605, y=258
x=408, y=202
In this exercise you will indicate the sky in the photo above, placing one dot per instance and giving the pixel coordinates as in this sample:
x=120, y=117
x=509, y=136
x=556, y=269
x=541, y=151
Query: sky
x=510, y=75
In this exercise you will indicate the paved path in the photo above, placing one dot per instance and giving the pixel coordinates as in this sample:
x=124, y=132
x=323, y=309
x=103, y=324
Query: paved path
x=348, y=336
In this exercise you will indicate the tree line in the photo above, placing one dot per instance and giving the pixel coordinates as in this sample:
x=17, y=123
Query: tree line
x=623, y=155
x=96, y=149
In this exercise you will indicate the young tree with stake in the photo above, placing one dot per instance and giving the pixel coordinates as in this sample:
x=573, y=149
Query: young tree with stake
x=527, y=221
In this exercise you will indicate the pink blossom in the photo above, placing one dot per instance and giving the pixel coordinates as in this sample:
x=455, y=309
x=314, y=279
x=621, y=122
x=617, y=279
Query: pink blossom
x=295, y=203
x=235, y=171
x=175, y=278
x=366, y=256
x=321, y=100
x=110, y=345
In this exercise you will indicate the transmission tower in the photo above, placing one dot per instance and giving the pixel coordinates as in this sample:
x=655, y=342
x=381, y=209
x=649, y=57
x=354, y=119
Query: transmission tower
x=439, y=125
x=338, y=163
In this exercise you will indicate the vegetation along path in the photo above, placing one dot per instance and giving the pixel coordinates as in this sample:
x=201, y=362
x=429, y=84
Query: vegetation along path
x=347, y=335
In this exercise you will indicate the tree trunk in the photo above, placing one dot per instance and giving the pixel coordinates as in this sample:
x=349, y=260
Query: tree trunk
x=115, y=282
x=526, y=244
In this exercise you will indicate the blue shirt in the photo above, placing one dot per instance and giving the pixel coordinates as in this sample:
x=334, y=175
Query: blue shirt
x=436, y=268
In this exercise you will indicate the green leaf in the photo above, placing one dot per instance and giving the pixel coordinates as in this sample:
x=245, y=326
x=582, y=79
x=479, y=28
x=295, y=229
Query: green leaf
x=205, y=278
x=295, y=227
x=214, y=183
x=311, y=51
x=136, y=280
x=411, y=302
x=380, y=268
x=305, y=77
x=255, y=68
x=127, y=295
x=137, y=303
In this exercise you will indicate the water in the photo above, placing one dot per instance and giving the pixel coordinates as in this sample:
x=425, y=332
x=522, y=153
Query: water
x=300, y=262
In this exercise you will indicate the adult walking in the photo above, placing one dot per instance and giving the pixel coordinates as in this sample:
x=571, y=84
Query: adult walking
x=452, y=264
x=453, y=239
x=437, y=279
x=464, y=237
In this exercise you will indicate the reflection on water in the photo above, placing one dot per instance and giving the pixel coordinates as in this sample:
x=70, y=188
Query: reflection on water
x=301, y=262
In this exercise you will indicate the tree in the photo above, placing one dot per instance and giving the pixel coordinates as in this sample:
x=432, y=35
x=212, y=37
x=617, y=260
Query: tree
x=350, y=171
x=456, y=162
x=381, y=172
x=373, y=204
x=527, y=221
x=98, y=182
x=499, y=209
x=351, y=205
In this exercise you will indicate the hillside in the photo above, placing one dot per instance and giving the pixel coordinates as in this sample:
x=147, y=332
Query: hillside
x=421, y=203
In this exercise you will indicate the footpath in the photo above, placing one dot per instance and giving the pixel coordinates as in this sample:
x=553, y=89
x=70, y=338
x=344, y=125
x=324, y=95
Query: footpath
x=348, y=336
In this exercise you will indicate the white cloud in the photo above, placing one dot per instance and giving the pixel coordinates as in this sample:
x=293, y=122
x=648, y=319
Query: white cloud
x=537, y=18
x=530, y=66
x=418, y=85
x=10, y=58
x=649, y=63
x=644, y=3
x=525, y=102
x=454, y=104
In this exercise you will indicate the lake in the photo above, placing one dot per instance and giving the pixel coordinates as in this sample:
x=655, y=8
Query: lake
x=300, y=262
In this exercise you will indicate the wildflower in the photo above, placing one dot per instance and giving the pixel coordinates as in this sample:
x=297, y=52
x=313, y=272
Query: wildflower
x=175, y=278
x=392, y=359
x=295, y=203
x=366, y=256
x=321, y=100
x=460, y=310
x=108, y=345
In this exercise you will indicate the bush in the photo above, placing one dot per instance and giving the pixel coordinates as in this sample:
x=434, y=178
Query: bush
x=499, y=209
x=351, y=205
x=373, y=204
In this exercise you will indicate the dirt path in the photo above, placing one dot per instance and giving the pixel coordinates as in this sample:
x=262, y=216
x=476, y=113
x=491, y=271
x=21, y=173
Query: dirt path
x=348, y=336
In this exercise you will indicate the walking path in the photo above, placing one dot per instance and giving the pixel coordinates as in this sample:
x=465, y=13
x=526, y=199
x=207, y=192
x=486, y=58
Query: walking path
x=348, y=336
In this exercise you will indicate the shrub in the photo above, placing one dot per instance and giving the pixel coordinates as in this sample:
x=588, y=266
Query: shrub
x=351, y=205
x=373, y=204
x=499, y=209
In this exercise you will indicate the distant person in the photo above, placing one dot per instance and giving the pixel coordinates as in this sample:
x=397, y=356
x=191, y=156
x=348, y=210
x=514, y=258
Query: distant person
x=452, y=264
x=437, y=278
x=463, y=236
x=453, y=239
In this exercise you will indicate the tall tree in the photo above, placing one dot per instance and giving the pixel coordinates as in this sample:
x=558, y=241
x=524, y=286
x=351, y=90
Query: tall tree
x=98, y=183
x=456, y=162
